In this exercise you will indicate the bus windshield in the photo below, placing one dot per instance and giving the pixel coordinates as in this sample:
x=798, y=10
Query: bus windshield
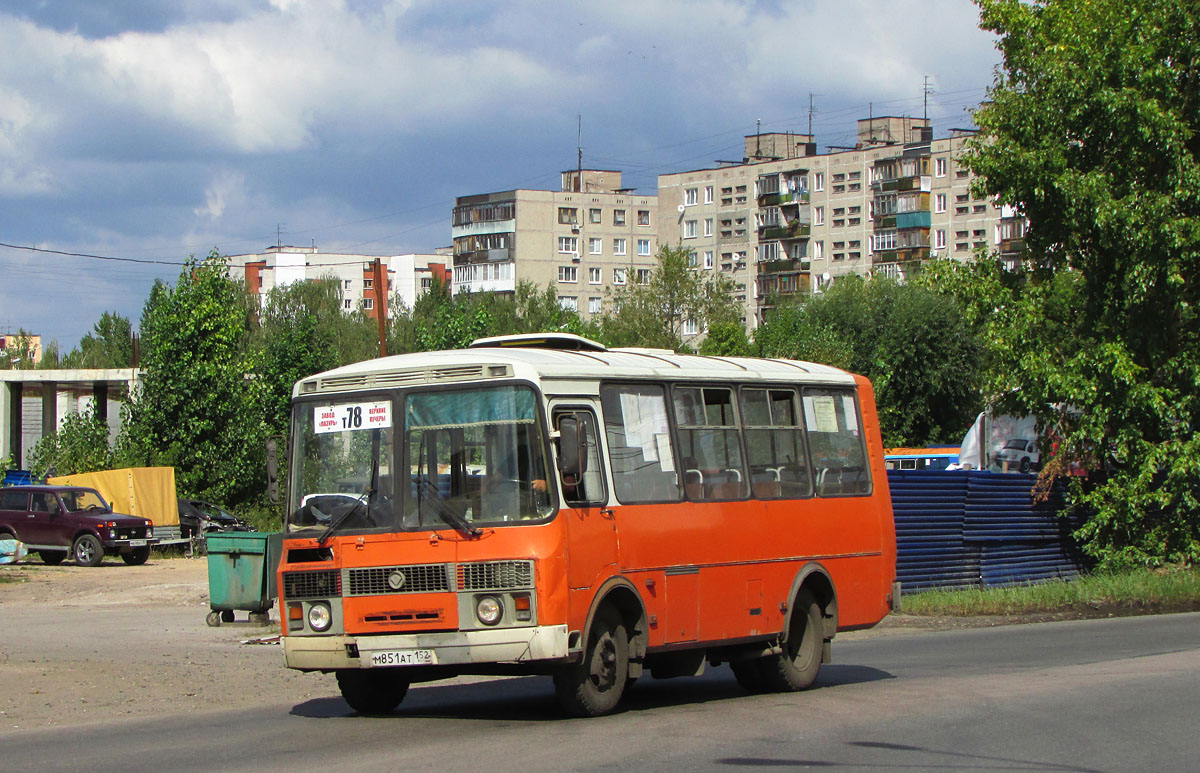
x=448, y=459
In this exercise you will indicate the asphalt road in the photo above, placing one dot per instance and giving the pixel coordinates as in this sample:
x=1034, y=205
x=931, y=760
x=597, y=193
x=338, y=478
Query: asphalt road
x=1102, y=695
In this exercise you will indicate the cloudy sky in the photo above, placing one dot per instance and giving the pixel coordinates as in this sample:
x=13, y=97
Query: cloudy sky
x=149, y=130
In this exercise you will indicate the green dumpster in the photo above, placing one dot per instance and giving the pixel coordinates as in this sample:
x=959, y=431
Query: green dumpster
x=241, y=574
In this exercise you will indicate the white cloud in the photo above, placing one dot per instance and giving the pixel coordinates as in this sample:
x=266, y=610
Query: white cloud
x=226, y=188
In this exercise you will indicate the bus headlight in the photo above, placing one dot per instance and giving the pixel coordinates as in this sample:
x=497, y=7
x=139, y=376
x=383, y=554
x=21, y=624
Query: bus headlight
x=319, y=617
x=489, y=610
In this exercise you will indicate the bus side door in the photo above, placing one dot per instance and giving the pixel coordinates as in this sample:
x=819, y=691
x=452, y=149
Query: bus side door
x=591, y=528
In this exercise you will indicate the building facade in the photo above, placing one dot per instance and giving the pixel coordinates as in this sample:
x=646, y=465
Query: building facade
x=787, y=220
x=587, y=239
x=408, y=276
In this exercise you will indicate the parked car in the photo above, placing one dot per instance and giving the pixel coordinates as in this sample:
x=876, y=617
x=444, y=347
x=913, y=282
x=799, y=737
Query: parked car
x=56, y=521
x=1020, y=453
x=197, y=518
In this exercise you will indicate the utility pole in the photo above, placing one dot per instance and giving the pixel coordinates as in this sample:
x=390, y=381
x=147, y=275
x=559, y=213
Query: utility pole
x=380, y=276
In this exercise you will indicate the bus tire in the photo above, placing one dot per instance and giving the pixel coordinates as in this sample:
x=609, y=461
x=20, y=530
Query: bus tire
x=372, y=690
x=749, y=675
x=796, y=669
x=594, y=686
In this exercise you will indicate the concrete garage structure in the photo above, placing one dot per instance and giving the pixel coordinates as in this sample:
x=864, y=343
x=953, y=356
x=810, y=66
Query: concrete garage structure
x=34, y=402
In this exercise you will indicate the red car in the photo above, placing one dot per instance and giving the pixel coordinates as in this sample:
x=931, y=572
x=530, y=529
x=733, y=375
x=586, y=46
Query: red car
x=57, y=520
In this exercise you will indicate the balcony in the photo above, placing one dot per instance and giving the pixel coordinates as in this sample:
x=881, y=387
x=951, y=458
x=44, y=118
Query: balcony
x=784, y=266
x=483, y=256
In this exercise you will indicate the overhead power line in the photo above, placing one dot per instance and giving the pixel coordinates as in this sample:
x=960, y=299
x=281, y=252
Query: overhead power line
x=94, y=257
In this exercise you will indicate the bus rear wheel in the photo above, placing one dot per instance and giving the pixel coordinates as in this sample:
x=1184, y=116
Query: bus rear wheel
x=372, y=690
x=594, y=686
x=796, y=669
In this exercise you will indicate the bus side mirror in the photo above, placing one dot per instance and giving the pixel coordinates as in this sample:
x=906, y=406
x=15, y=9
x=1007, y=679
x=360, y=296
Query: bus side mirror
x=572, y=439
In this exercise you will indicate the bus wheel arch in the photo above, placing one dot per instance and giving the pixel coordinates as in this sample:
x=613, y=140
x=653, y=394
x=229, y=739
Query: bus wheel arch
x=613, y=644
x=815, y=579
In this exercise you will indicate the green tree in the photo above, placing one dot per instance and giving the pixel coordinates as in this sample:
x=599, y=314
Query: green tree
x=199, y=406
x=302, y=331
x=919, y=352
x=109, y=345
x=727, y=339
x=18, y=352
x=81, y=444
x=653, y=314
x=1092, y=129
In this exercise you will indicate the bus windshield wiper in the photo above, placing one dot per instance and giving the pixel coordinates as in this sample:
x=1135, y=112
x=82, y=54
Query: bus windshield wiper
x=365, y=497
x=445, y=511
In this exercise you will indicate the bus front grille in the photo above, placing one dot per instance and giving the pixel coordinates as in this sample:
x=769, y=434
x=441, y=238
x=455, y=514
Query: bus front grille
x=378, y=580
x=325, y=583
x=495, y=575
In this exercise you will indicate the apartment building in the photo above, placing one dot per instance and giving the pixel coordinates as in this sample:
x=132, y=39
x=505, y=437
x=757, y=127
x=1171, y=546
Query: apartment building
x=787, y=220
x=408, y=276
x=587, y=239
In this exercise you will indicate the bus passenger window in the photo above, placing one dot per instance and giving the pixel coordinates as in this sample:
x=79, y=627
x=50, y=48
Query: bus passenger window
x=835, y=442
x=709, y=444
x=775, y=444
x=639, y=443
x=586, y=488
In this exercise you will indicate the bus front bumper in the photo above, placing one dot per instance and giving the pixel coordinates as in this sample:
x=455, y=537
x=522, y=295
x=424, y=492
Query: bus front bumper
x=449, y=648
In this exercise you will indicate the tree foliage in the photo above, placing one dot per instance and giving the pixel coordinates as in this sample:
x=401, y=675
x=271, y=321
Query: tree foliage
x=1093, y=131
x=199, y=408
x=919, y=352
x=81, y=444
x=653, y=314
x=109, y=345
x=303, y=330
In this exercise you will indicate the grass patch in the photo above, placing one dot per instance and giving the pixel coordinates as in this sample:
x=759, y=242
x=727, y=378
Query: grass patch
x=1138, y=592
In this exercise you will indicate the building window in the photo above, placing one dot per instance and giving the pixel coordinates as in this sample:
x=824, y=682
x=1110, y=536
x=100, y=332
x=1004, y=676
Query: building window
x=568, y=244
x=819, y=216
x=708, y=226
x=708, y=194
x=618, y=246
x=566, y=215
x=689, y=229
x=595, y=246
x=618, y=217
x=346, y=303
x=346, y=284
x=643, y=246
x=643, y=276
x=939, y=239
x=939, y=203
x=693, y=260
x=594, y=276
x=690, y=327
x=368, y=284
x=818, y=250
x=618, y=276
x=819, y=183
x=368, y=303
x=594, y=306
x=568, y=302
x=708, y=259
x=594, y=215
x=643, y=216
x=568, y=274
x=689, y=196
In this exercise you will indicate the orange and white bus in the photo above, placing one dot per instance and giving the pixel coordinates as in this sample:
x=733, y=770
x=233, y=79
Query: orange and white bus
x=544, y=505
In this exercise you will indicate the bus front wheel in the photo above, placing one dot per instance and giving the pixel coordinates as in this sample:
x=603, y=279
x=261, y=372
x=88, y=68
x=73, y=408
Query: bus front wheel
x=594, y=686
x=796, y=668
x=372, y=690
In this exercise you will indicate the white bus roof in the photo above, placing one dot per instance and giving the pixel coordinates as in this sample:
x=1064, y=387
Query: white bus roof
x=484, y=362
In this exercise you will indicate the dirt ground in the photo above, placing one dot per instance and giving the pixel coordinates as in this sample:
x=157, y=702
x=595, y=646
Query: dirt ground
x=84, y=645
